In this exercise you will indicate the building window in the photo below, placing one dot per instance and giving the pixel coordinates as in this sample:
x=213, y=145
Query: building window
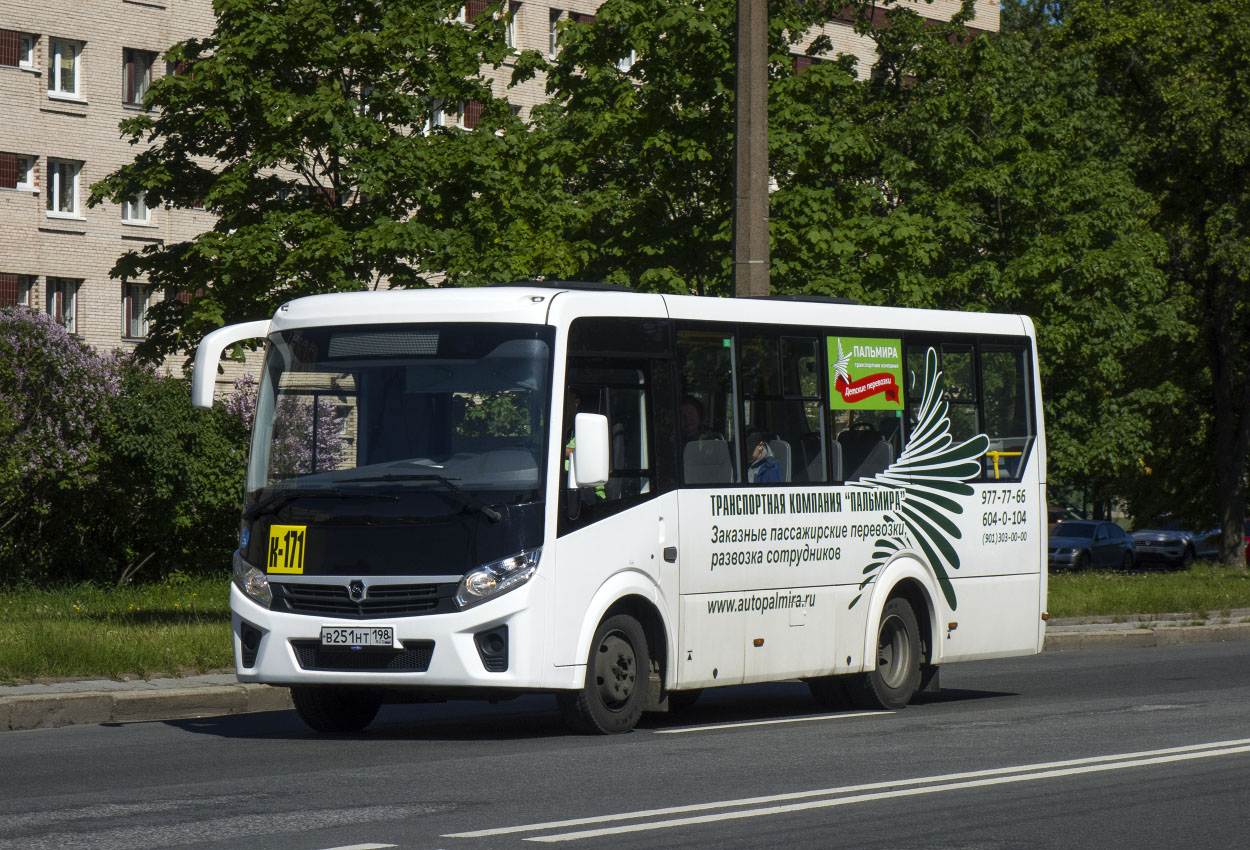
x=26, y=51
x=63, y=186
x=16, y=171
x=14, y=290
x=64, y=68
x=136, y=75
x=512, y=32
x=17, y=49
x=136, y=211
x=554, y=31
x=471, y=11
x=470, y=114
x=63, y=302
x=135, y=311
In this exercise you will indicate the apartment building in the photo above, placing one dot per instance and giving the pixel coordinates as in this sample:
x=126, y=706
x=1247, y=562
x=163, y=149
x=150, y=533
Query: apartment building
x=71, y=71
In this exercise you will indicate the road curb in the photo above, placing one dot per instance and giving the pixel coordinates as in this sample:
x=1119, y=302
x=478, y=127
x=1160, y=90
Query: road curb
x=52, y=710
x=1135, y=638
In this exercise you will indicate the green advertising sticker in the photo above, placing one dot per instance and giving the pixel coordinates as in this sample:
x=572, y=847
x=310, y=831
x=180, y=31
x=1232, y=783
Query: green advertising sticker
x=865, y=373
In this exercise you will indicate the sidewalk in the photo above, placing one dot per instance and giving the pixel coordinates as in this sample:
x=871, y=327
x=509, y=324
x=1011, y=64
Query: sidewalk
x=53, y=704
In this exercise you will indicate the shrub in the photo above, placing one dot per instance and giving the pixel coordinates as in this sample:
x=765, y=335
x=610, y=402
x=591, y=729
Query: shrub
x=52, y=390
x=105, y=467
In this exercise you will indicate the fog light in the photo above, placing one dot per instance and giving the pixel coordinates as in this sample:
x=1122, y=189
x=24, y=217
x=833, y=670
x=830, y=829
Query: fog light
x=492, y=647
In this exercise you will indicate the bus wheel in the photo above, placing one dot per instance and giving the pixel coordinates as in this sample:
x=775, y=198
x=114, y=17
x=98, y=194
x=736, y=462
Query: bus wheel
x=897, y=677
x=615, y=692
x=328, y=708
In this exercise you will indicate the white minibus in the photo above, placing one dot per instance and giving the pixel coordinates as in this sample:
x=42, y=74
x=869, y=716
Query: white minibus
x=622, y=498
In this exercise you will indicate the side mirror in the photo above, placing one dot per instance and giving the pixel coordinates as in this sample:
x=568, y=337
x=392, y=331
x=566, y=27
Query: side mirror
x=209, y=353
x=589, y=467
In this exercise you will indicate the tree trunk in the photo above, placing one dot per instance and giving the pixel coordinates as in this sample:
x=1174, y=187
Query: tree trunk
x=1231, y=426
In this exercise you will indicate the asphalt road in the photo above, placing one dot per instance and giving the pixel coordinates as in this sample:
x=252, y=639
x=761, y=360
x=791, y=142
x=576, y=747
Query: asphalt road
x=1120, y=749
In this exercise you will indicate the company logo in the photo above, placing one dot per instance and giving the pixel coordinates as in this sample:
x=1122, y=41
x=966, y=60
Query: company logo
x=356, y=590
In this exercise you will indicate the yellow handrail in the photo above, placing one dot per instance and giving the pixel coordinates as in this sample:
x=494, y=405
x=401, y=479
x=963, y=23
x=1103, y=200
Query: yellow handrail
x=995, y=454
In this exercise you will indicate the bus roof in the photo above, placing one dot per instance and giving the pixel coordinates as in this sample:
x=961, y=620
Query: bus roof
x=550, y=302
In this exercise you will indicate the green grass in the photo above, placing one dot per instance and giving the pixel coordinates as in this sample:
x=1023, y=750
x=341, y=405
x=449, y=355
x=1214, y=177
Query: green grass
x=106, y=632
x=1202, y=588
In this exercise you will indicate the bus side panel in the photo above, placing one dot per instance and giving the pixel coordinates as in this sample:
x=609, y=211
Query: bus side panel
x=628, y=543
x=790, y=632
x=710, y=648
x=997, y=618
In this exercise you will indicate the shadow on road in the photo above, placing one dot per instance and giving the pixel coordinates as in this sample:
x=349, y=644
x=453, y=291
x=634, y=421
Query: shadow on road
x=533, y=717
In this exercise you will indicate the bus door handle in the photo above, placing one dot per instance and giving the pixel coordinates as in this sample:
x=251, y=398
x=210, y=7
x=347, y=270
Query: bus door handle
x=670, y=554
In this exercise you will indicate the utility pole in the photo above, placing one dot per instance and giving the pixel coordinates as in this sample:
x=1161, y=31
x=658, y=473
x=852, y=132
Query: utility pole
x=750, y=238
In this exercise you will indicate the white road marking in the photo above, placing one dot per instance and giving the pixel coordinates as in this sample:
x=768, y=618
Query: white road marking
x=855, y=793
x=363, y=847
x=804, y=719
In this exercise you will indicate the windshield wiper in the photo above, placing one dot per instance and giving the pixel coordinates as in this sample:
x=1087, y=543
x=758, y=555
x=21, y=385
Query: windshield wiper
x=275, y=501
x=467, y=497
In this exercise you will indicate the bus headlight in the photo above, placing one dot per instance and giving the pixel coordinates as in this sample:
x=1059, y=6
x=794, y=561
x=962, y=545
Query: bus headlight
x=253, y=582
x=490, y=580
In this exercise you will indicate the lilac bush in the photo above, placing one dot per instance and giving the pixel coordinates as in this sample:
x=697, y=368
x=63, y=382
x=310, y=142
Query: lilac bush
x=53, y=389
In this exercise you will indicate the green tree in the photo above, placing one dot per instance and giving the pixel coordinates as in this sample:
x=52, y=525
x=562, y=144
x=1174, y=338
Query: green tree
x=1178, y=71
x=627, y=173
x=304, y=127
x=981, y=172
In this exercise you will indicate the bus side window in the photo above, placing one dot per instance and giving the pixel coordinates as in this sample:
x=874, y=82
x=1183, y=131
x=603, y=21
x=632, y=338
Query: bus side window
x=618, y=390
x=781, y=402
x=706, y=416
x=1008, y=417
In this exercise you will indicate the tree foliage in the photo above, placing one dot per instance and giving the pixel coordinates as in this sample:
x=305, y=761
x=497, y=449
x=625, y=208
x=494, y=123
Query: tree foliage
x=1176, y=71
x=305, y=128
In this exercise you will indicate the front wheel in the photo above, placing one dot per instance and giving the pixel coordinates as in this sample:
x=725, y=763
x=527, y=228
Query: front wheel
x=617, y=676
x=335, y=709
x=897, y=677
x=1126, y=563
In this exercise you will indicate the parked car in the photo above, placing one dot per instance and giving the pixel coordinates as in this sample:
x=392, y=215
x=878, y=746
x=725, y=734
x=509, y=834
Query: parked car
x=1085, y=544
x=1207, y=543
x=1166, y=543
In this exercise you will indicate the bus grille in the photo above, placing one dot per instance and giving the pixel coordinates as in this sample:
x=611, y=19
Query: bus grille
x=382, y=600
x=413, y=658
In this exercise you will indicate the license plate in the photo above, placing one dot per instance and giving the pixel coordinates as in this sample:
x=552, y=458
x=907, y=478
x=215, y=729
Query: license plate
x=348, y=636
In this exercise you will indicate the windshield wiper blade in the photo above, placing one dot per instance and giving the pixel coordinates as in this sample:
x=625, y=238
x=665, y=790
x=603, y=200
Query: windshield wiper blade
x=467, y=497
x=275, y=501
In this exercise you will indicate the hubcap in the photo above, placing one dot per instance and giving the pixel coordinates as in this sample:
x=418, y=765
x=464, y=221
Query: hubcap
x=893, y=652
x=615, y=671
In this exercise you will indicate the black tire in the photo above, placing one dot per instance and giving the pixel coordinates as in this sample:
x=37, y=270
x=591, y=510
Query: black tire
x=1082, y=562
x=681, y=700
x=617, y=679
x=336, y=709
x=897, y=677
x=1126, y=563
x=829, y=691
x=1187, y=560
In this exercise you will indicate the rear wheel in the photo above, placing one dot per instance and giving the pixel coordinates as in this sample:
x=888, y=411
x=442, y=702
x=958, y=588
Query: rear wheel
x=897, y=677
x=335, y=709
x=617, y=677
x=1126, y=563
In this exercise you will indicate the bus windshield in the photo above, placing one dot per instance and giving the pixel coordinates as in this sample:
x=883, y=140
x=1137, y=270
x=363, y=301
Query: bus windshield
x=457, y=408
